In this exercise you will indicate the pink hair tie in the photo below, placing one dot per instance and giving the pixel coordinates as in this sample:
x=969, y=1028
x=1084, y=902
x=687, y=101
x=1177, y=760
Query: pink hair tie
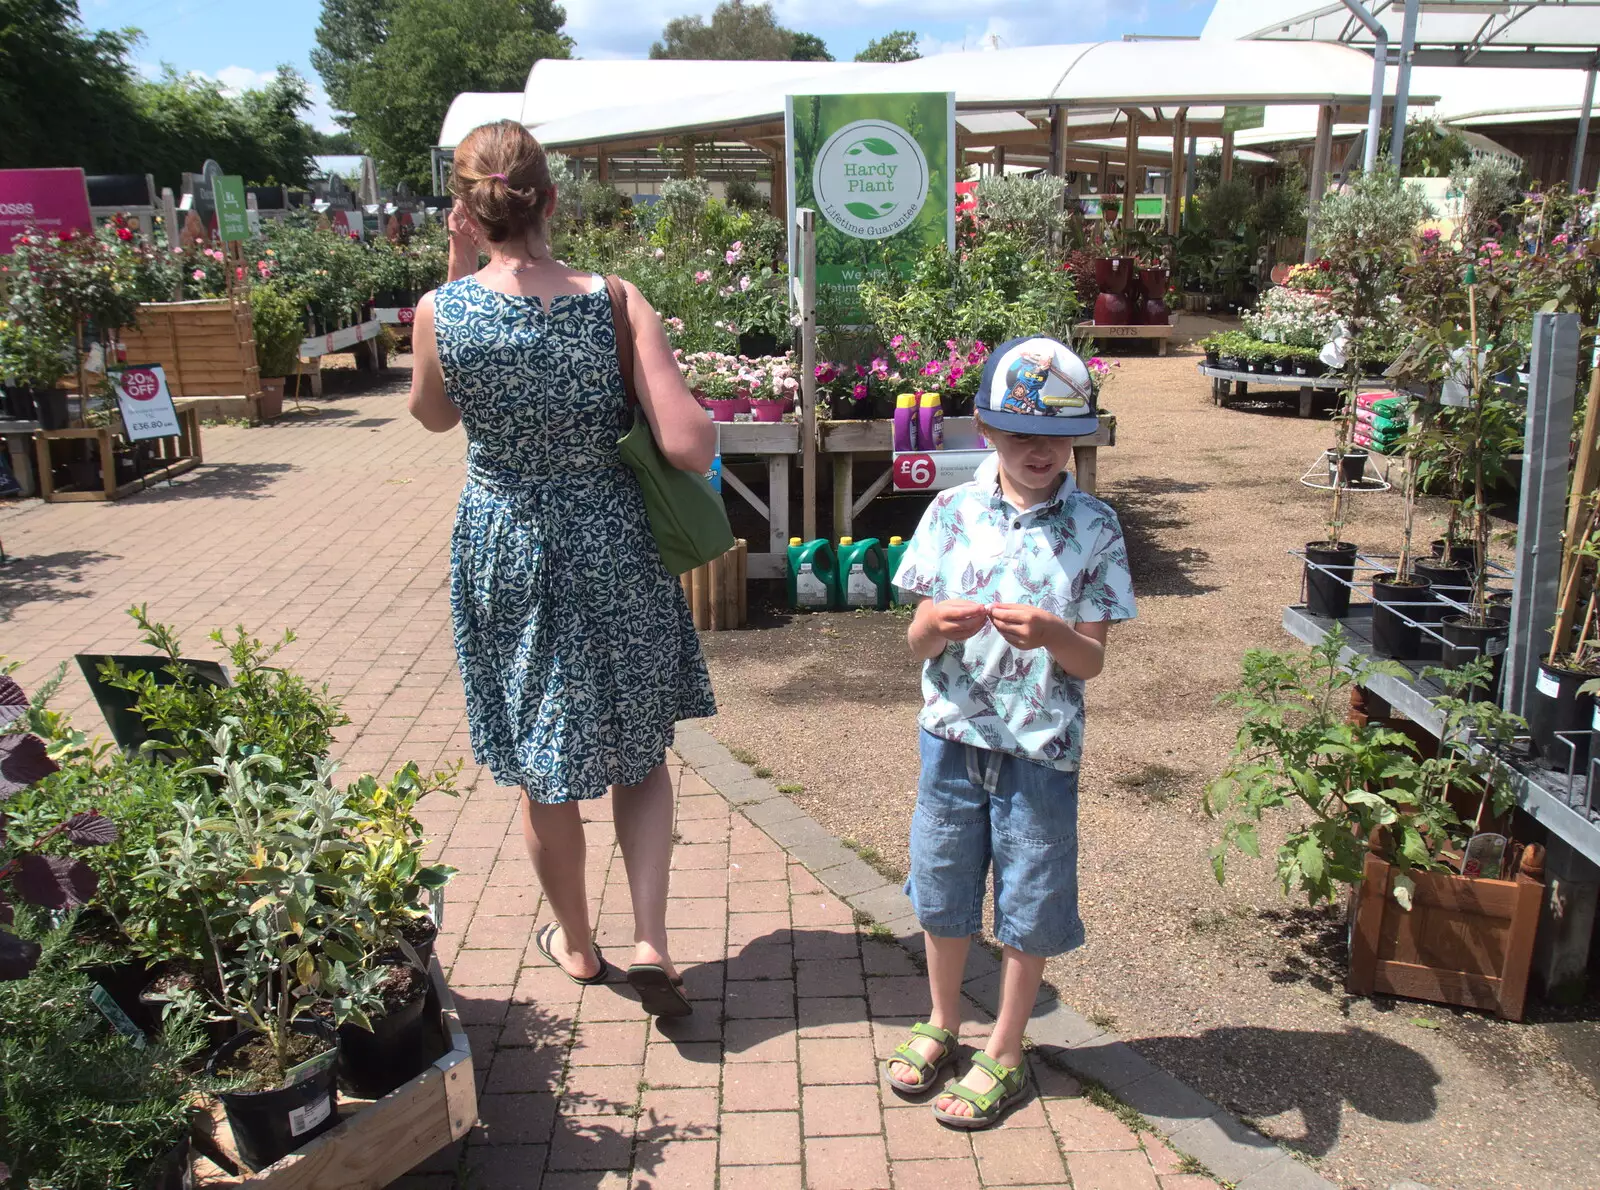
x=502, y=177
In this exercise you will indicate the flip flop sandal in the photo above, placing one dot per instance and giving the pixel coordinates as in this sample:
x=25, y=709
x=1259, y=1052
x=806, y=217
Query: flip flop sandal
x=542, y=941
x=1010, y=1086
x=927, y=1069
x=660, y=994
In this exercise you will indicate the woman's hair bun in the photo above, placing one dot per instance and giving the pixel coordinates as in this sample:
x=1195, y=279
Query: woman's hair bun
x=502, y=176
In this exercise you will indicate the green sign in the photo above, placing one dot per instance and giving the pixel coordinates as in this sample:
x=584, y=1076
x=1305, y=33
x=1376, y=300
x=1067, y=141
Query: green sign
x=233, y=219
x=877, y=169
x=1241, y=119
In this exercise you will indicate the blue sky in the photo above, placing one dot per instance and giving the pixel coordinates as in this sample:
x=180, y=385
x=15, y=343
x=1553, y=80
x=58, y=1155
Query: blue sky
x=242, y=44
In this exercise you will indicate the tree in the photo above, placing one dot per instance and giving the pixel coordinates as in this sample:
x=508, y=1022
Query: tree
x=899, y=46
x=738, y=31
x=335, y=143
x=434, y=50
x=185, y=118
x=349, y=34
x=808, y=47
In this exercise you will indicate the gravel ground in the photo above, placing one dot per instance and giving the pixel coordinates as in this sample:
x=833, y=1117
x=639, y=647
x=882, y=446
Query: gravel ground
x=1233, y=989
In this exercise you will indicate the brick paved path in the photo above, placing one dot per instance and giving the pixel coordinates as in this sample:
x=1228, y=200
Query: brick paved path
x=338, y=527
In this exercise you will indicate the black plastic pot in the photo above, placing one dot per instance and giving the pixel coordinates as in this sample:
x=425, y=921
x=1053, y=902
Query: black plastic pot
x=1554, y=706
x=756, y=344
x=1466, y=642
x=1281, y=366
x=1392, y=635
x=128, y=728
x=374, y=1063
x=1445, y=582
x=1352, y=466
x=174, y=1170
x=1498, y=606
x=50, y=407
x=1325, y=594
x=1211, y=355
x=1463, y=553
x=268, y=1125
x=1230, y=363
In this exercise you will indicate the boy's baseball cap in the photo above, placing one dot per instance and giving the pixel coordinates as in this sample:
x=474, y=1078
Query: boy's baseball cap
x=1037, y=386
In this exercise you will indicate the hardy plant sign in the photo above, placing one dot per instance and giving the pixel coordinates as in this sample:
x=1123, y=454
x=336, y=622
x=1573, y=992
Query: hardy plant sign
x=879, y=170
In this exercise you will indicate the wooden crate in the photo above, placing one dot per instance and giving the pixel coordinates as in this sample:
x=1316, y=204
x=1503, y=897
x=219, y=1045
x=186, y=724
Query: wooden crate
x=176, y=456
x=1467, y=942
x=378, y=1141
x=207, y=348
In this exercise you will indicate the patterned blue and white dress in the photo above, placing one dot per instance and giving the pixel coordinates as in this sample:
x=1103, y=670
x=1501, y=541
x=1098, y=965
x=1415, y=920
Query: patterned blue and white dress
x=576, y=646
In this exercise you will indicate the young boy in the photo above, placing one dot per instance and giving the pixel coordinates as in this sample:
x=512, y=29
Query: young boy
x=1020, y=575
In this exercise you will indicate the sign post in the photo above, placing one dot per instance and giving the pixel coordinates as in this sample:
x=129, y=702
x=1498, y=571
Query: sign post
x=879, y=170
x=146, y=403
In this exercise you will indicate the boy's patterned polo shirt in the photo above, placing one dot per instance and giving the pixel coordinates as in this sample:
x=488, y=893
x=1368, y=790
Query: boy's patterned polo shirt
x=1066, y=556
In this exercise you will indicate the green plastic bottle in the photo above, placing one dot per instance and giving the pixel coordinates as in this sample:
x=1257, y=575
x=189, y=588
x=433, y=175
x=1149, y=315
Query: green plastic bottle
x=813, y=574
x=896, y=551
x=863, y=574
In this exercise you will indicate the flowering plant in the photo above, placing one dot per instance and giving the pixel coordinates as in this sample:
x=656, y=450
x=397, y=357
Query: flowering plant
x=1100, y=371
x=1293, y=317
x=1309, y=278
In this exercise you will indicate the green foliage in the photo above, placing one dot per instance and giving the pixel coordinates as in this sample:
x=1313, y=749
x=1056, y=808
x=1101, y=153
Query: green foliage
x=1431, y=151
x=432, y=50
x=997, y=292
x=737, y=31
x=271, y=710
x=1029, y=209
x=1295, y=748
x=1488, y=186
x=898, y=46
x=808, y=47
x=742, y=195
x=258, y=135
x=348, y=35
x=81, y=1107
x=276, y=320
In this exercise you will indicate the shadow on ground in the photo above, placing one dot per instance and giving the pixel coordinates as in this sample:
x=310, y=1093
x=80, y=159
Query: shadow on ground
x=1258, y=1073
x=232, y=481
x=26, y=578
x=1151, y=518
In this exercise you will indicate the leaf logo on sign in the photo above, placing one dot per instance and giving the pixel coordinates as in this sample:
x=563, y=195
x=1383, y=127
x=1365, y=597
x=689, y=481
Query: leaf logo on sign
x=866, y=211
x=871, y=144
x=870, y=179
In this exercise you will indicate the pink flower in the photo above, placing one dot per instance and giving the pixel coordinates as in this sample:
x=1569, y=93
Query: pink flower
x=977, y=345
x=950, y=343
x=733, y=253
x=1431, y=236
x=702, y=277
x=860, y=371
x=744, y=284
x=238, y=273
x=897, y=340
x=661, y=253
x=199, y=275
x=930, y=369
x=956, y=372
x=859, y=392
x=124, y=234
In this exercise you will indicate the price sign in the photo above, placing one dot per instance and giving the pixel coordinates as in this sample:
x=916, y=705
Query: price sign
x=146, y=404
x=407, y=316
x=934, y=471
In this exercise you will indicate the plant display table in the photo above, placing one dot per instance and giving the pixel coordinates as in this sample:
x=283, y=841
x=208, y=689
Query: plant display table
x=395, y=315
x=380, y=1140
x=313, y=348
x=19, y=451
x=774, y=446
x=1231, y=384
x=174, y=457
x=1159, y=333
x=847, y=441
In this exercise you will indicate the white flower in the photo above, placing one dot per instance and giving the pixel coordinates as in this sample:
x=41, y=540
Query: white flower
x=661, y=253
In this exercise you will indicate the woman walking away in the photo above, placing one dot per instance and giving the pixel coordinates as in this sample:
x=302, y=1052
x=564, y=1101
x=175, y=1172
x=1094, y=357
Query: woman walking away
x=576, y=647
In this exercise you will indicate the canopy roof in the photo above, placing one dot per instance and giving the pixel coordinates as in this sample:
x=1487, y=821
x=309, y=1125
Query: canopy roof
x=1542, y=33
x=472, y=109
x=699, y=97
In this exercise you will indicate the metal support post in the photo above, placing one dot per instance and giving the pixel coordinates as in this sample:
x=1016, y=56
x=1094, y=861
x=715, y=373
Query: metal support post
x=1581, y=145
x=1402, y=86
x=1380, y=63
x=1552, y=386
x=806, y=228
x=1320, y=159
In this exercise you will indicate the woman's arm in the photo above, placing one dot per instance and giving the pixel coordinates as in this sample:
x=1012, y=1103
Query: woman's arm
x=429, y=404
x=686, y=436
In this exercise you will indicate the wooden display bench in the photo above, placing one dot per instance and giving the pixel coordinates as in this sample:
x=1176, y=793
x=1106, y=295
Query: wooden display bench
x=177, y=455
x=313, y=348
x=775, y=445
x=377, y=1141
x=1228, y=384
x=1159, y=333
x=847, y=441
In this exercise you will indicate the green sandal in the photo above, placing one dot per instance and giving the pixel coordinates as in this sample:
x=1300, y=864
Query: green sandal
x=1010, y=1086
x=926, y=1069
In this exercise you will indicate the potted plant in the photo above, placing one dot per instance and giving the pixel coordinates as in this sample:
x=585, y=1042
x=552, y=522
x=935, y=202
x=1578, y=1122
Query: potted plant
x=275, y=319
x=1374, y=817
x=718, y=391
x=33, y=358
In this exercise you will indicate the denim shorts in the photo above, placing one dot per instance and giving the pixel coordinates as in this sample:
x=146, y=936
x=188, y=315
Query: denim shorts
x=975, y=806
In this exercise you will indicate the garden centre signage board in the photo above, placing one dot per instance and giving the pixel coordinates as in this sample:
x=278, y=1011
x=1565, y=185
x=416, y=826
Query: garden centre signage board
x=50, y=200
x=146, y=403
x=1242, y=119
x=233, y=215
x=878, y=170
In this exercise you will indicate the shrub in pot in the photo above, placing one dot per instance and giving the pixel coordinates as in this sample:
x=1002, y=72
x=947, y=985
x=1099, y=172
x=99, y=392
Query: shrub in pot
x=275, y=318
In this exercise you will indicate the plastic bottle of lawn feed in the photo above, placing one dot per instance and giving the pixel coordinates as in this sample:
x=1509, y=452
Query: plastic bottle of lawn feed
x=930, y=422
x=813, y=574
x=895, y=551
x=863, y=574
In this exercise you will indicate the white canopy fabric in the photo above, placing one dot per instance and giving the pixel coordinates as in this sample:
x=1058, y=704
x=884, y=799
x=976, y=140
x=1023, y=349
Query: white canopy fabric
x=473, y=109
x=1104, y=74
x=1471, y=26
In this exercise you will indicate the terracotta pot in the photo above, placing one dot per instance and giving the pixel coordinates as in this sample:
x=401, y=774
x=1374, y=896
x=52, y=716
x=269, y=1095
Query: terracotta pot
x=1112, y=309
x=270, y=402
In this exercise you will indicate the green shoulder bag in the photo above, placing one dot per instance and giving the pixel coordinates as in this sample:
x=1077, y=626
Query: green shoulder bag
x=687, y=517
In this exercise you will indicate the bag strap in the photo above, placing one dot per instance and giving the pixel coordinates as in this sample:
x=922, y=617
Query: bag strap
x=623, y=330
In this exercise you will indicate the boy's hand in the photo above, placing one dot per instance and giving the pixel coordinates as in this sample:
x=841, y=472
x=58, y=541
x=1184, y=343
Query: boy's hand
x=958, y=619
x=1025, y=627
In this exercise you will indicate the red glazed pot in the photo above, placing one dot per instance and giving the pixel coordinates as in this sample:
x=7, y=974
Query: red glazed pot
x=1112, y=309
x=1113, y=275
x=1156, y=313
x=1154, y=282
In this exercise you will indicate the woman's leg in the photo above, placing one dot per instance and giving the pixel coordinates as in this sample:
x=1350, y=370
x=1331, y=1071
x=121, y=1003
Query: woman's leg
x=554, y=835
x=642, y=815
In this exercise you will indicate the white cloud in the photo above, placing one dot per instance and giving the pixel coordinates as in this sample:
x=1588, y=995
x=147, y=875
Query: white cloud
x=236, y=80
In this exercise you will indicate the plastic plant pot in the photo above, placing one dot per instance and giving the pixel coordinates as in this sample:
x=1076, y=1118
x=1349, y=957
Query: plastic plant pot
x=1326, y=564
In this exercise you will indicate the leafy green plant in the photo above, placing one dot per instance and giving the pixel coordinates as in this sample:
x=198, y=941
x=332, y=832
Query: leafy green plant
x=81, y=1106
x=275, y=709
x=276, y=322
x=386, y=862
